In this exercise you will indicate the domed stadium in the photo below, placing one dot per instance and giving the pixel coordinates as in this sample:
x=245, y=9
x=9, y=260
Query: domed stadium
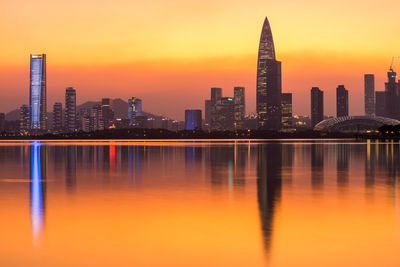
x=354, y=124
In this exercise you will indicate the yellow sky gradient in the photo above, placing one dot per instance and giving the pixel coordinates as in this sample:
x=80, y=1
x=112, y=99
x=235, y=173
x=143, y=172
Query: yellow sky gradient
x=176, y=50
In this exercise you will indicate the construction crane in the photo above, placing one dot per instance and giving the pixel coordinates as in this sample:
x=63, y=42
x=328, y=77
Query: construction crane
x=393, y=65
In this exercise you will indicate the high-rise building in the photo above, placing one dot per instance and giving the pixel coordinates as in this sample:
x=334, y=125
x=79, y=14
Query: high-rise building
x=37, y=93
x=317, y=106
x=225, y=109
x=2, y=122
x=342, y=101
x=287, y=114
x=380, y=103
x=193, y=119
x=269, y=84
x=216, y=95
x=207, y=111
x=96, y=118
x=134, y=110
x=369, y=94
x=239, y=108
x=392, y=96
x=107, y=111
x=24, y=119
x=70, y=110
x=57, y=117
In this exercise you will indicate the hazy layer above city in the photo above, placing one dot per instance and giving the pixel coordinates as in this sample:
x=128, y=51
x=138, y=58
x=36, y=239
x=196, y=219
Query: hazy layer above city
x=169, y=53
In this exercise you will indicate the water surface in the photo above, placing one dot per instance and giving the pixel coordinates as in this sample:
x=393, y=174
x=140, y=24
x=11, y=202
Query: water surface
x=186, y=203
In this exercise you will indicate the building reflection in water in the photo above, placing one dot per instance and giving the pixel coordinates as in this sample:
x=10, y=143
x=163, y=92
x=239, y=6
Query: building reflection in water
x=317, y=166
x=269, y=187
x=37, y=188
x=70, y=168
x=342, y=165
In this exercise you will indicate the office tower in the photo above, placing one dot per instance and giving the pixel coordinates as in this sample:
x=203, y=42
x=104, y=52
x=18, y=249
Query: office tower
x=84, y=120
x=193, y=119
x=287, y=110
x=269, y=86
x=207, y=111
x=107, y=112
x=216, y=94
x=239, y=108
x=57, y=117
x=225, y=110
x=70, y=110
x=317, y=106
x=369, y=94
x=342, y=101
x=391, y=96
x=2, y=122
x=134, y=110
x=380, y=103
x=96, y=118
x=24, y=119
x=37, y=93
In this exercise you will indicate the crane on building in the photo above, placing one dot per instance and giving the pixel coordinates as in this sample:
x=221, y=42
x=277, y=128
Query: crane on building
x=392, y=66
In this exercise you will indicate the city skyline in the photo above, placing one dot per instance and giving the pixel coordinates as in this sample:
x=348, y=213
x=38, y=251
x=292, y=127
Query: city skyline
x=200, y=65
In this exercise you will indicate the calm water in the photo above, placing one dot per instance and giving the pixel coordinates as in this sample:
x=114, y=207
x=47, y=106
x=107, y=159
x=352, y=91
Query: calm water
x=279, y=203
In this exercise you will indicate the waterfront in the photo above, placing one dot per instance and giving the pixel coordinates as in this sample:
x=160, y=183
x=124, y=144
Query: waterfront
x=187, y=203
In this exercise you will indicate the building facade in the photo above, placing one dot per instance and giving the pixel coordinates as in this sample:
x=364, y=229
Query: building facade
x=70, y=110
x=207, y=111
x=37, y=93
x=269, y=84
x=380, y=103
x=107, y=111
x=57, y=117
x=134, y=110
x=392, y=96
x=193, y=119
x=317, y=106
x=24, y=119
x=239, y=107
x=369, y=94
x=287, y=113
x=342, y=101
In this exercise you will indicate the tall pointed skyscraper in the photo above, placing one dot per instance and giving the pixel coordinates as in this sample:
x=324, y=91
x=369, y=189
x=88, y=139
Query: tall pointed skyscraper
x=269, y=83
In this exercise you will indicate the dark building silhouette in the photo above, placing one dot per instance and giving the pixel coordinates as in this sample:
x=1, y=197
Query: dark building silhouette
x=207, y=111
x=37, y=93
x=57, y=117
x=70, y=110
x=287, y=114
x=317, y=106
x=342, y=101
x=369, y=94
x=107, y=112
x=2, y=122
x=193, y=119
x=392, y=96
x=216, y=94
x=380, y=103
x=24, y=119
x=239, y=108
x=269, y=84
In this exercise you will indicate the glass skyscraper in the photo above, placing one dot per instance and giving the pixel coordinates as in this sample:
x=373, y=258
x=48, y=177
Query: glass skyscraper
x=269, y=84
x=37, y=93
x=193, y=119
x=134, y=110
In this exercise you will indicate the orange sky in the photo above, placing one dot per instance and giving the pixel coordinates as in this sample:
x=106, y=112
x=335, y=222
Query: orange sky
x=170, y=53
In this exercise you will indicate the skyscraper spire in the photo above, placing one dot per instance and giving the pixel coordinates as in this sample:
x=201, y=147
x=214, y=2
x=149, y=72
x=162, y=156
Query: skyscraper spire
x=266, y=49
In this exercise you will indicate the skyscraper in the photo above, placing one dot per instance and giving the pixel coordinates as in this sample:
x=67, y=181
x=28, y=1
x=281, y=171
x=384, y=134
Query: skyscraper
x=225, y=109
x=108, y=113
x=2, y=122
x=239, y=107
x=37, y=93
x=317, y=106
x=342, y=101
x=207, y=111
x=216, y=95
x=70, y=110
x=369, y=94
x=134, y=110
x=193, y=119
x=380, y=104
x=392, y=96
x=24, y=119
x=287, y=110
x=57, y=117
x=269, y=86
